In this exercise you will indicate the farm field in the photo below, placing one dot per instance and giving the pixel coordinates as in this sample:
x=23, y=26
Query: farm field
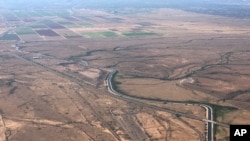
x=99, y=34
x=9, y=37
x=25, y=30
x=138, y=33
x=54, y=65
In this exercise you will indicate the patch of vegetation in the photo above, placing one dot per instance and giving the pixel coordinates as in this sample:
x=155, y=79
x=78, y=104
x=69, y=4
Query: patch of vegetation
x=100, y=34
x=109, y=34
x=221, y=132
x=9, y=37
x=115, y=83
x=24, y=30
x=221, y=111
x=93, y=34
x=218, y=110
x=114, y=80
x=87, y=25
x=141, y=33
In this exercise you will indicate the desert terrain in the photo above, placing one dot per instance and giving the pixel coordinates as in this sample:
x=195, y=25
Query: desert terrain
x=54, y=65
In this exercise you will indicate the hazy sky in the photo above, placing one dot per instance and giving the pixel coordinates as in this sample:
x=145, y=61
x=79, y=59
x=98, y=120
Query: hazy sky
x=123, y=2
x=119, y=3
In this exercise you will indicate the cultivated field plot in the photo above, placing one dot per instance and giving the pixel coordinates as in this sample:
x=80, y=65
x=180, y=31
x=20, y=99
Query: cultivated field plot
x=67, y=33
x=131, y=34
x=24, y=31
x=9, y=17
x=31, y=37
x=9, y=37
x=70, y=18
x=27, y=34
x=64, y=22
x=38, y=25
x=52, y=24
x=99, y=34
x=46, y=32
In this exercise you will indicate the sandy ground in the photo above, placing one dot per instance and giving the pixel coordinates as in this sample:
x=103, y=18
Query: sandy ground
x=92, y=73
x=159, y=90
x=169, y=128
x=2, y=129
x=2, y=30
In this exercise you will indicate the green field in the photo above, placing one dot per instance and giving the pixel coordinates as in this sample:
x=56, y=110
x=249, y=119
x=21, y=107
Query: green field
x=141, y=33
x=109, y=34
x=93, y=34
x=9, y=37
x=87, y=25
x=24, y=30
x=100, y=34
